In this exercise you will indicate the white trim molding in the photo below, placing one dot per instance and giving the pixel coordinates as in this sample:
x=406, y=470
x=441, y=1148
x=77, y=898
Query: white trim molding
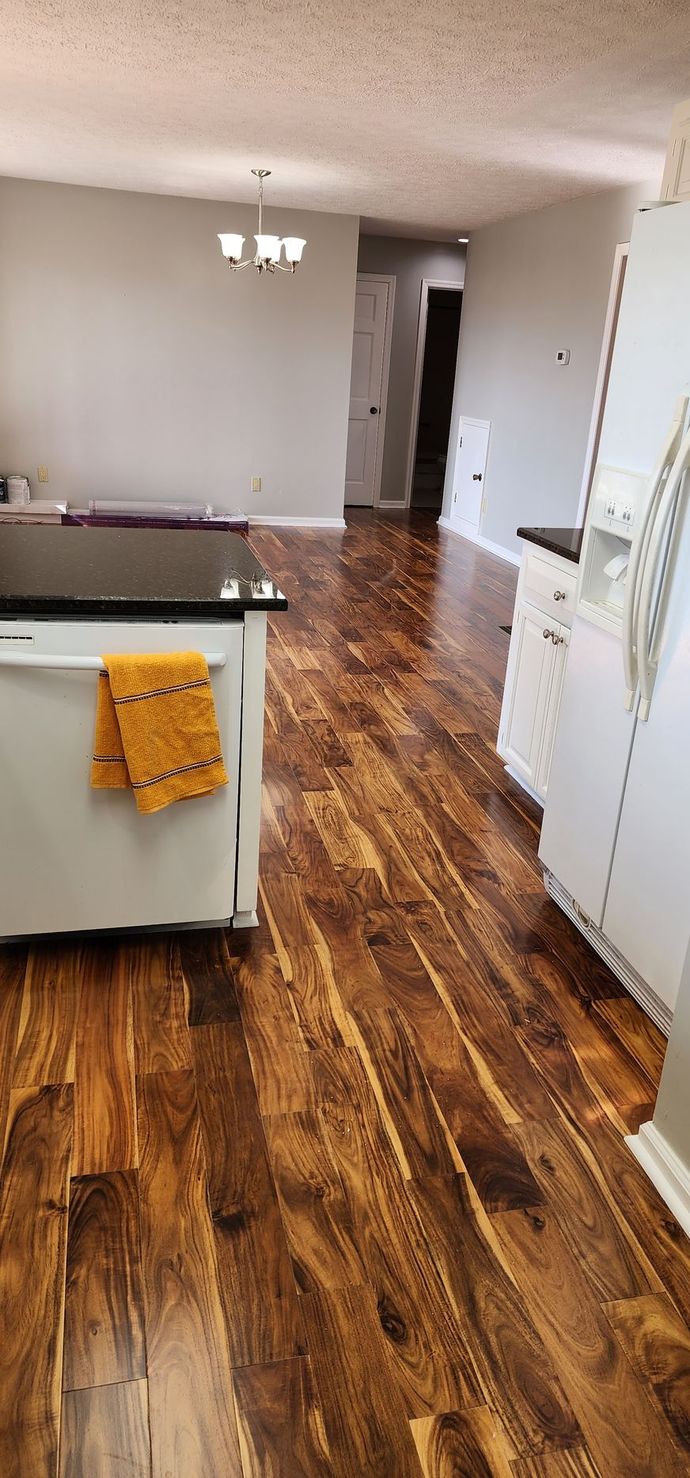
x=508, y=555
x=670, y=1176
x=281, y=520
x=427, y=282
x=620, y=262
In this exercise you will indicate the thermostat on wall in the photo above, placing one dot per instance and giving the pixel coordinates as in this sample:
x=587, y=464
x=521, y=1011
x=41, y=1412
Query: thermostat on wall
x=562, y=356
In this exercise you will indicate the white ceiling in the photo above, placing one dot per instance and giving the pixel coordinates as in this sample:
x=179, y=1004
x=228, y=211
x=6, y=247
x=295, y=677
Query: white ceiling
x=424, y=118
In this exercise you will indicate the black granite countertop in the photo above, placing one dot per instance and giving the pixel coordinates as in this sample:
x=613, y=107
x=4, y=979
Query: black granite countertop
x=566, y=542
x=125, y=574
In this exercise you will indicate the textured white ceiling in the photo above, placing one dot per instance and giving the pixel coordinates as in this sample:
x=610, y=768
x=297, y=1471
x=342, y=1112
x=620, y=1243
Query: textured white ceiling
x=423, y=118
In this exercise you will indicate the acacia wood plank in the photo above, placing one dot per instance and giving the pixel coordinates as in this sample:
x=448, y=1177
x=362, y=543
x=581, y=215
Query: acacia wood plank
x=426, y=1343
x=33, y=1241
x=574, y=1463
x=208, y=977
x=314, y=1209
x=421, y=1139
x=152, y=971
x=105, y=1432
x=462, y=1442
x=105, y=1135
x=104, y=1317
x=515, y=1372
x=279, y=1061
x=597, y=1236
x=48, y=1022
x=256, y=1282
x=657, y=1343
x=595, y=1374
x=191, y=1413
x=12, y=970
x=280, y=1421
x=364, y=1415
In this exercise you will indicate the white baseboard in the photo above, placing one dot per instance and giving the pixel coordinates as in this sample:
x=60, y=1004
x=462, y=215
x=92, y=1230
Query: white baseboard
x=282, y=521
x=473, y=538
x=389, y=504
x=670, y=1176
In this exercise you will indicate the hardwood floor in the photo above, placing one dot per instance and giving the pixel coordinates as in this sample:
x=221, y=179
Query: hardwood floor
x=347, y=1194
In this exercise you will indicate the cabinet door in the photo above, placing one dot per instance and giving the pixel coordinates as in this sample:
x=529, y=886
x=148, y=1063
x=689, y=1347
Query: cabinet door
x=676, y=181
x=535, y=658
x=552, y=707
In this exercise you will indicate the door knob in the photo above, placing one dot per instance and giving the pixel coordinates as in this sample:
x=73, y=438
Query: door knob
x=476, y=476
x=373, y=410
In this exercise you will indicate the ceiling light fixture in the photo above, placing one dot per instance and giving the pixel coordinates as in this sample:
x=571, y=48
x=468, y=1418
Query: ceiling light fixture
x=268, y=248
x=463, y=240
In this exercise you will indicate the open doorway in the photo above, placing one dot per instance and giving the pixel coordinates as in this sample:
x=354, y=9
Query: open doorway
x=437, y=349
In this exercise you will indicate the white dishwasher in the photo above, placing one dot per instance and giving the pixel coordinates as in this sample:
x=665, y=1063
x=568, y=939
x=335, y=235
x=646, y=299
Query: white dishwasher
x=79, y=859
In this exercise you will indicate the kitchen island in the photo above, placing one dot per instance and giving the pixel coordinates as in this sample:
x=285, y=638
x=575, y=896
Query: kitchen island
x=544, y=607
x=83, y=860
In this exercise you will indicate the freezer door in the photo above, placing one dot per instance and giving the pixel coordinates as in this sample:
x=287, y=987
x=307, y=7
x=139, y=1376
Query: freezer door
x=81, y=859
x=647, y=912
x=587, y=776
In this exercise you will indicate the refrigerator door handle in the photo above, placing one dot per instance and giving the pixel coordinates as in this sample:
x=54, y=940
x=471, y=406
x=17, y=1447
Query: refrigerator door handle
x=646, y=663
x=640, y=548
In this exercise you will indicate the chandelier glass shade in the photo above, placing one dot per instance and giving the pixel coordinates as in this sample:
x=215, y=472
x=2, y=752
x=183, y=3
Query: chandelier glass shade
x=268, y=248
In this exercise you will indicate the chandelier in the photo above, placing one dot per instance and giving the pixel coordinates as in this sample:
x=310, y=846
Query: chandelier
x=268, y=248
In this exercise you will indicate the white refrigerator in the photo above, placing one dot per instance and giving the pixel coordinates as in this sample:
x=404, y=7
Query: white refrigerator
x=615, y=842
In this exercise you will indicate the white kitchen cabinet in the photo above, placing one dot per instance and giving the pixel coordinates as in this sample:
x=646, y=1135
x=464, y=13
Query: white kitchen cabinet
x=538, y=653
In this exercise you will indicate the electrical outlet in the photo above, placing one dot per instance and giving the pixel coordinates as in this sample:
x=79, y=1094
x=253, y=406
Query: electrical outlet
x=256, y=484
x=43, y=473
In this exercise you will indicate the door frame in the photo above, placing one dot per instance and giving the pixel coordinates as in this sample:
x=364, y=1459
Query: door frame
x=385, y=372
x=620, y=262
x=426, y=284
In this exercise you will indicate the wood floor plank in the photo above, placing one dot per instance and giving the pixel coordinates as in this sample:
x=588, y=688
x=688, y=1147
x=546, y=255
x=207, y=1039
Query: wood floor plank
x=257, y=1287
x=12, y=971
x=279, y=1062
x=105, y=1135
x=313, y=1205
x=426, y=1343
x=598, y=1237
x=105, y=1432
x=574, y=1463
x=48, y=1023
x=462, y=1442
x=104, y=1317
x=280, y=1421
x=595, y=1374
x=421, y=1138
x=207, y=973
x=152, y=971
x=364, y=1415
x=515, y=1372
x=657, y=1343
x=191, y=1413
x=33, y=1242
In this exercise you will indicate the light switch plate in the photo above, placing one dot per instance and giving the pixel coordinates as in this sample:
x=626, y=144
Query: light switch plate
x=256, y=484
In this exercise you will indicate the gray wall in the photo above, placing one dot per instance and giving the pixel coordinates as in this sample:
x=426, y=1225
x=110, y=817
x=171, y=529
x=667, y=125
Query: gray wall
x=535, y=284
x=134, y=364
x=408, y=262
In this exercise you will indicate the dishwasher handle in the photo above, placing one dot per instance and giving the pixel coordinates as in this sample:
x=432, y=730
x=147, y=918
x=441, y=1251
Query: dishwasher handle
x=63, y=663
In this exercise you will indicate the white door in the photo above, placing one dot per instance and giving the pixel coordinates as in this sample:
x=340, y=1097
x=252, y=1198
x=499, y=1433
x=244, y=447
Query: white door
x=552, y=709
x=676, y=181
x=366, y=386
x=469, y=474
x=531, y=685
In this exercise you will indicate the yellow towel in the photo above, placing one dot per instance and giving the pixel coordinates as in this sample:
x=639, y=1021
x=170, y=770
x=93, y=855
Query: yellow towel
x=156, y=729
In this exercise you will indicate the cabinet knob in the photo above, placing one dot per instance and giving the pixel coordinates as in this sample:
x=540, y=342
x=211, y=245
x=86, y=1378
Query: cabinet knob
x=556, y=639
x=559, y=594
x=546, y=633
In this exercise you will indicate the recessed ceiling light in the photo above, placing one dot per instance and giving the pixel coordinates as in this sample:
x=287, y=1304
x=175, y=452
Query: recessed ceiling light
x=463, y=240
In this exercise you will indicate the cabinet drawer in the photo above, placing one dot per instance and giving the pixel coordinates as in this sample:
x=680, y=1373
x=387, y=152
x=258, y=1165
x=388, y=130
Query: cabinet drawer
x=550, y=587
